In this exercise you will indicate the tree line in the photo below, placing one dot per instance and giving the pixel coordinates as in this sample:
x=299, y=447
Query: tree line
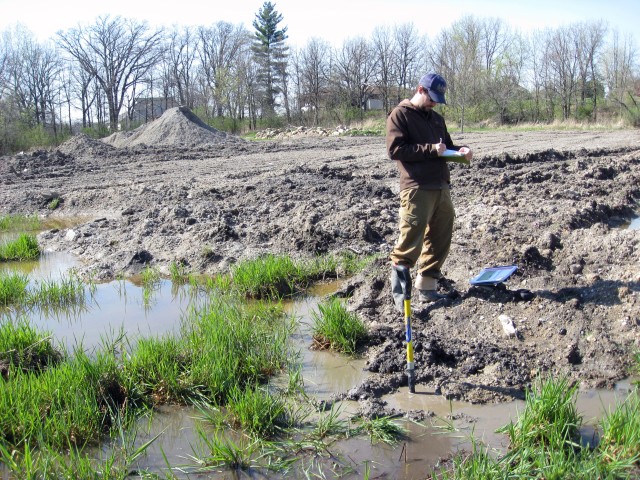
x=116, y=72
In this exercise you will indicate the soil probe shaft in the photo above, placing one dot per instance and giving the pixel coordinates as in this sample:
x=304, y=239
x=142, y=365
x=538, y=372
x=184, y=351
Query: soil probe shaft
x=405, y=281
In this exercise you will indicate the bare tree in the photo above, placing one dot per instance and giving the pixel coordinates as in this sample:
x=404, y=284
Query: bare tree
x=407, y=58
x=505, y=54
x=221, y=47
x=315, y=58
x=5, y=55
x=355, y=66
x=563, y=61
x=180, y=57
x=33, y=73
x=383, y=54
x=117, y=52
x=589, y=45
x=620, y=69
x=457, y=50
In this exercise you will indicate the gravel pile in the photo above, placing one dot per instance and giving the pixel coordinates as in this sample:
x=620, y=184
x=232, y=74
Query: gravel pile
x=177, y=127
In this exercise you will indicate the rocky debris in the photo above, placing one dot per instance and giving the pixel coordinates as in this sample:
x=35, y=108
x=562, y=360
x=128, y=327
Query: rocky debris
x=300, y=131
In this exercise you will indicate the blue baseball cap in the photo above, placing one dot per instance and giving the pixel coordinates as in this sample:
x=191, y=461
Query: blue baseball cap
x=435, y=85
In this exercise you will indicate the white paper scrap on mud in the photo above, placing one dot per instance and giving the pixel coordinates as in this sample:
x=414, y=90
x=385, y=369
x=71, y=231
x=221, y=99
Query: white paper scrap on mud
x=507, y=325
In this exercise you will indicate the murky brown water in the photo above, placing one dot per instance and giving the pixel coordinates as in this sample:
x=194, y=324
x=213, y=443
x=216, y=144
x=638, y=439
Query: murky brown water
x=119, y=307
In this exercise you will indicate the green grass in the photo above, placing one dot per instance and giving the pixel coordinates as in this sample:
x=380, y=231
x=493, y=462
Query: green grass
x=25, y=247
x=178, y=273
x=150, y=278
x=276, y=276
x=545, y=442
x=43, y=461
x=550, y=417
x=13, y=288
x=14, y=223
x=54, y=203
x=224, y=345
x=24, y=348
x=68, y=291
x=225, y=452
x=71, y=403
x=620, y=442
x=382, y=429
x=269, y=276
x=336, y=328
x=257, y=411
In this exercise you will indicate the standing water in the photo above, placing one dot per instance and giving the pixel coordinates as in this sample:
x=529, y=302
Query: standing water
x=120, y=307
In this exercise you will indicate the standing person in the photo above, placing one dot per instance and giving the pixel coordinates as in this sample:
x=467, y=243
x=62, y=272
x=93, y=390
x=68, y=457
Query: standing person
x=417, y=138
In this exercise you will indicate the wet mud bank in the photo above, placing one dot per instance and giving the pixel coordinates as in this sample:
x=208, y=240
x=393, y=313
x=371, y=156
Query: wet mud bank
x=555, y=204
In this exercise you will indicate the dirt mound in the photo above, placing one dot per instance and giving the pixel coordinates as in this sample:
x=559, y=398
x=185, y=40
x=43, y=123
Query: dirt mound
x=177, y=127
x=83, y=145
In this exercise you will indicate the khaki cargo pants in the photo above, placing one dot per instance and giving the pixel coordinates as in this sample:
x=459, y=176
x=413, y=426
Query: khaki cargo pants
x=426, y=226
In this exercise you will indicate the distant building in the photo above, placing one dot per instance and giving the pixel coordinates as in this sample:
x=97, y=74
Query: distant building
x=374, y=104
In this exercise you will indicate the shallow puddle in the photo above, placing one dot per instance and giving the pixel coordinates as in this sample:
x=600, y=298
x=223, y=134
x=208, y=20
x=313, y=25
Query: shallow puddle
x=119, y=307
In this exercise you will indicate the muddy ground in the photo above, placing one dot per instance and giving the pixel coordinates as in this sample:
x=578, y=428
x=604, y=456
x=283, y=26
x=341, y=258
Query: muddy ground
x=554, y=203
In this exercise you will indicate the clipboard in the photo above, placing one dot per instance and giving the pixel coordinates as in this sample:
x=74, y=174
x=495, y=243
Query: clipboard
x=493, y=275
x=455, y=156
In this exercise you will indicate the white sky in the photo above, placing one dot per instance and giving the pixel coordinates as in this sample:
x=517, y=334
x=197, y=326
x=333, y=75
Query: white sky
x=332, y=20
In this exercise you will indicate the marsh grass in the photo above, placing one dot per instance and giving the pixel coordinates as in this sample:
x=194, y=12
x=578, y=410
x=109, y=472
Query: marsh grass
x=24, y=348
x=25, y=247
x=620, y=442
x=43, y=461
x=337, y=328
x=268, y=276
x=69, y=291
x=223, y=451
x=276, y=276
x=61, y=406
x=545, y=442
x=14, y=223
x=382, y=429
x=224, y=344
x=257, y=411
x=159, y=367
x=150, y=278
x=65, y=292
x=13, y=288
x=178, y=273
x=550, y=417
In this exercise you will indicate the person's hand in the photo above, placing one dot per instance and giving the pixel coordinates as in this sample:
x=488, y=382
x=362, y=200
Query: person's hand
x=468, y=154
x=440, y=147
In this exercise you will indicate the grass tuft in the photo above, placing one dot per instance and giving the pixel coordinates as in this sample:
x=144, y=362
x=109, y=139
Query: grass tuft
x=13, y=288
x=25, y=247
x=24, y=348
x=336, y=328
x=14, y=223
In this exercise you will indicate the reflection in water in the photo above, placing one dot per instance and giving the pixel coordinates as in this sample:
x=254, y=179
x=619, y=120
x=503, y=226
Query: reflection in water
x=110, y=310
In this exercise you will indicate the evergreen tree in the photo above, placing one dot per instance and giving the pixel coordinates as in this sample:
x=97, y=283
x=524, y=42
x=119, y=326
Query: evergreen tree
x=271, y=55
